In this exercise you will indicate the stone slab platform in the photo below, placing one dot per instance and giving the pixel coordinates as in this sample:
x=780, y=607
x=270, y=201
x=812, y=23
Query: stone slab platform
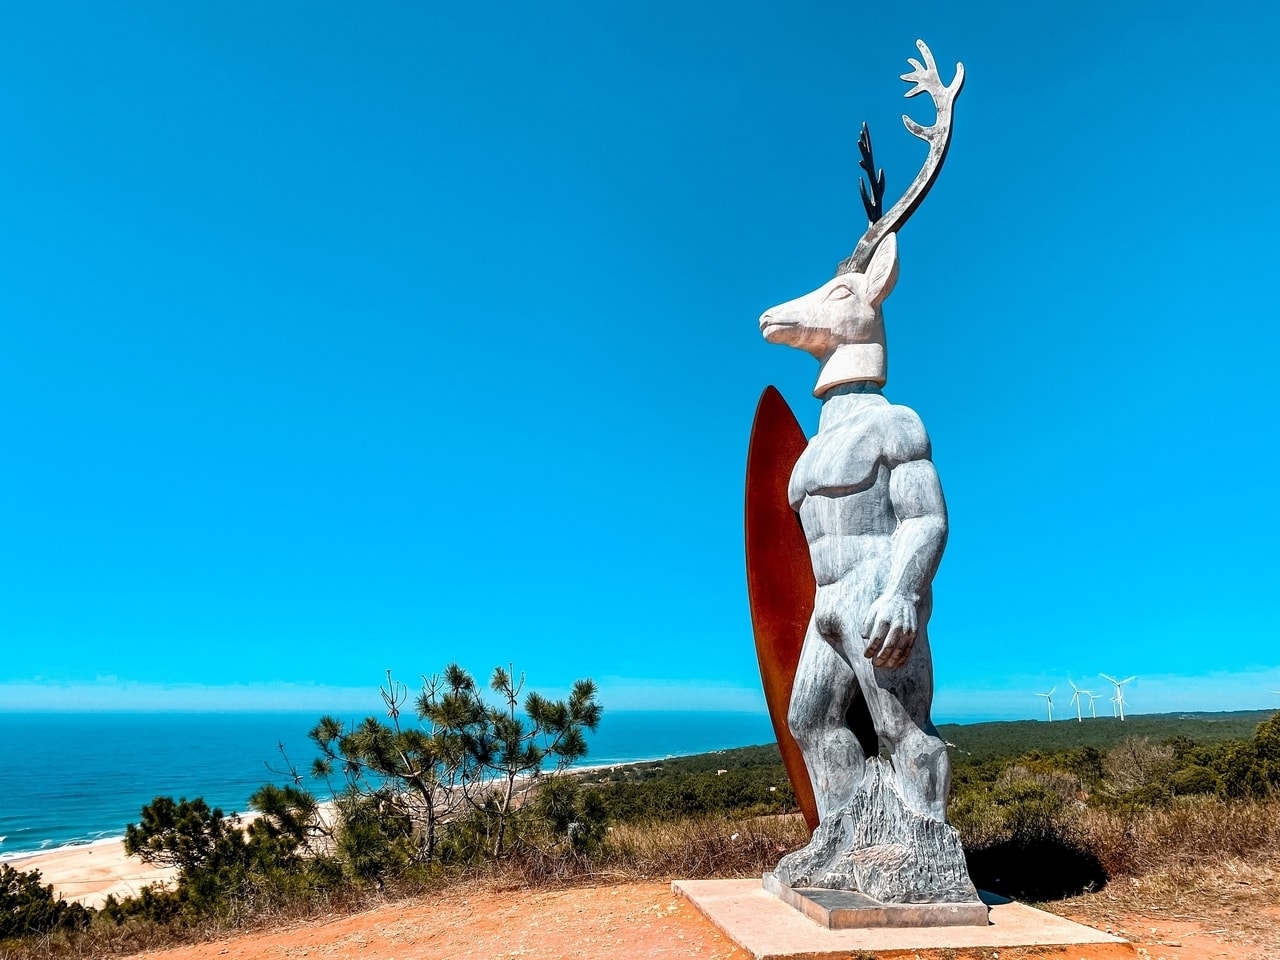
x=847, y=910
x=769, y=929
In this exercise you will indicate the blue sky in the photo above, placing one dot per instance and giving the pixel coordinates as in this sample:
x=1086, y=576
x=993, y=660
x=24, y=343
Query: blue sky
x=338, y=339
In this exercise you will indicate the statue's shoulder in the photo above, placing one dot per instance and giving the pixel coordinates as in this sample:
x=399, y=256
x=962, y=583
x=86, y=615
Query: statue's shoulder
x=904, y=435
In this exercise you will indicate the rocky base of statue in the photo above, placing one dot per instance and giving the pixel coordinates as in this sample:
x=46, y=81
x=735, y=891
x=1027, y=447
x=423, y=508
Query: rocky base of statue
x=880, y=847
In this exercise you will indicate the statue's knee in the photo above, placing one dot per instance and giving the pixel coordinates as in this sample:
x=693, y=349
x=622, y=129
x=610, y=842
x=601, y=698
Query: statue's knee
x=909, y=739
x=804, y=723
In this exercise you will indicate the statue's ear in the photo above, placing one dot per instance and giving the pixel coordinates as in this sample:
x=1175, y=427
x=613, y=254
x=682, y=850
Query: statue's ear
x=882, y=273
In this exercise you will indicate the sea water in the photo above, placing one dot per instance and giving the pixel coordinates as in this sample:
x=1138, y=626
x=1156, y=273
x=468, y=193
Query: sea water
x=73, y=778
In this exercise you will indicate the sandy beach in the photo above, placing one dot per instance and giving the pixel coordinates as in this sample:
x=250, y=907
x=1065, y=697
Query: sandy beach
x=91, y=872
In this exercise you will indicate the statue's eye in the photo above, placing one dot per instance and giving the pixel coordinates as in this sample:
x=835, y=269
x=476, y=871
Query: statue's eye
x=840, y=293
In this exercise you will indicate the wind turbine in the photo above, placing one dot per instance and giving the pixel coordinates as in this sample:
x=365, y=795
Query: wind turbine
x=1119, y=691
x=1048, y=700
x=1093, y=711
x=1075, y=698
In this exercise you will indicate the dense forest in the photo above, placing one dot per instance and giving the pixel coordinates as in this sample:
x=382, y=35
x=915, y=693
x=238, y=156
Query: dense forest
x=1012, y=738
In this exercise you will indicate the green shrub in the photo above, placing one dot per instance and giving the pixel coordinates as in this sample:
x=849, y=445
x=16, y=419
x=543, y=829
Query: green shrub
x=221, y=866
x=183, y=834
x=28, y=907
x=1022, y=836
x=151, y=904
x=375, y=836
x=574, y=817
x=1251, y=769
x=1194, y=779
x=746, y=792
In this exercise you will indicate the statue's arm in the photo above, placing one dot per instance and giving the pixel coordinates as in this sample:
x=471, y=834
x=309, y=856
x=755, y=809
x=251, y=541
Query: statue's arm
x=892, y=619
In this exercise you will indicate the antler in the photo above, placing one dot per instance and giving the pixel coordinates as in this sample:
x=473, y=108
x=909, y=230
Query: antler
x=874, y=201
x=924, y=79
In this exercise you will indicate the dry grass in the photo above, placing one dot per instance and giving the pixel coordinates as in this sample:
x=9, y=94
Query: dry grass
x=695, y=848
x=1205, y=864
x=1153, y=841
x=1225, y=899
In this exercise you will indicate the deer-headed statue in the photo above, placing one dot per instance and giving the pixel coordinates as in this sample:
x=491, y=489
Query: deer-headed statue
x=875, y=522
x=841, y=322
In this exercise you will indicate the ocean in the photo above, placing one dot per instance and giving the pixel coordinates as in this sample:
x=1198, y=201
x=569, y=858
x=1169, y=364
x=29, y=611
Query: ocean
x=73, y=778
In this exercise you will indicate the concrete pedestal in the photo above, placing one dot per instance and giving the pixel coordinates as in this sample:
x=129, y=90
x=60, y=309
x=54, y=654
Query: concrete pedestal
x=849, y=910
x=769, y=929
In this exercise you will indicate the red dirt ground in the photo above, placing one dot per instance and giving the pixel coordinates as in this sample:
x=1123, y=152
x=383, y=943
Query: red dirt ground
x=645, y=921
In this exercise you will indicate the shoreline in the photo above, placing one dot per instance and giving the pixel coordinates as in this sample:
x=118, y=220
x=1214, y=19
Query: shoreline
x=104, y=839
x=88, y=873
x=17, y=856
x=13, y=856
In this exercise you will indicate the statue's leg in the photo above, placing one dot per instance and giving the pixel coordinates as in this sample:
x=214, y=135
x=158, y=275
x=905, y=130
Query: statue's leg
x=824, y=688
x=900, y=701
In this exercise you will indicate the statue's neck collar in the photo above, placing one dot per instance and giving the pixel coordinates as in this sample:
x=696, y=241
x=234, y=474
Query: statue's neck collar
x=848, y=397
x=858, y=386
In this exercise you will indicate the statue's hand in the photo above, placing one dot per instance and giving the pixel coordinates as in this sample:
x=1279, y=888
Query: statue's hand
x=890, y=630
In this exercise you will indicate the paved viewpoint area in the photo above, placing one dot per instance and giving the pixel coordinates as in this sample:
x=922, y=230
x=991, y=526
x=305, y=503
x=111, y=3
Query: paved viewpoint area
x=769, y=929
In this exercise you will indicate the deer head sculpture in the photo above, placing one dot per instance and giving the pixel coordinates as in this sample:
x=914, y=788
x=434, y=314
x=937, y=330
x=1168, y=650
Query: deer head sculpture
x=842, y=322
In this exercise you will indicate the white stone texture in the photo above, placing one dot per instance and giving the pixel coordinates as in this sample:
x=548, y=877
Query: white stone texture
x=872, y=510
x=841, y=323
x=881, y=847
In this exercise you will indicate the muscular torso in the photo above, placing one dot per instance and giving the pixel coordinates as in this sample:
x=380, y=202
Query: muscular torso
x=840, y=487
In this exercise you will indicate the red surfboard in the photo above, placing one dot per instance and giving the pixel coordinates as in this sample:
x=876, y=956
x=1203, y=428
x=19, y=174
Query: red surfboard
x=780, y=580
